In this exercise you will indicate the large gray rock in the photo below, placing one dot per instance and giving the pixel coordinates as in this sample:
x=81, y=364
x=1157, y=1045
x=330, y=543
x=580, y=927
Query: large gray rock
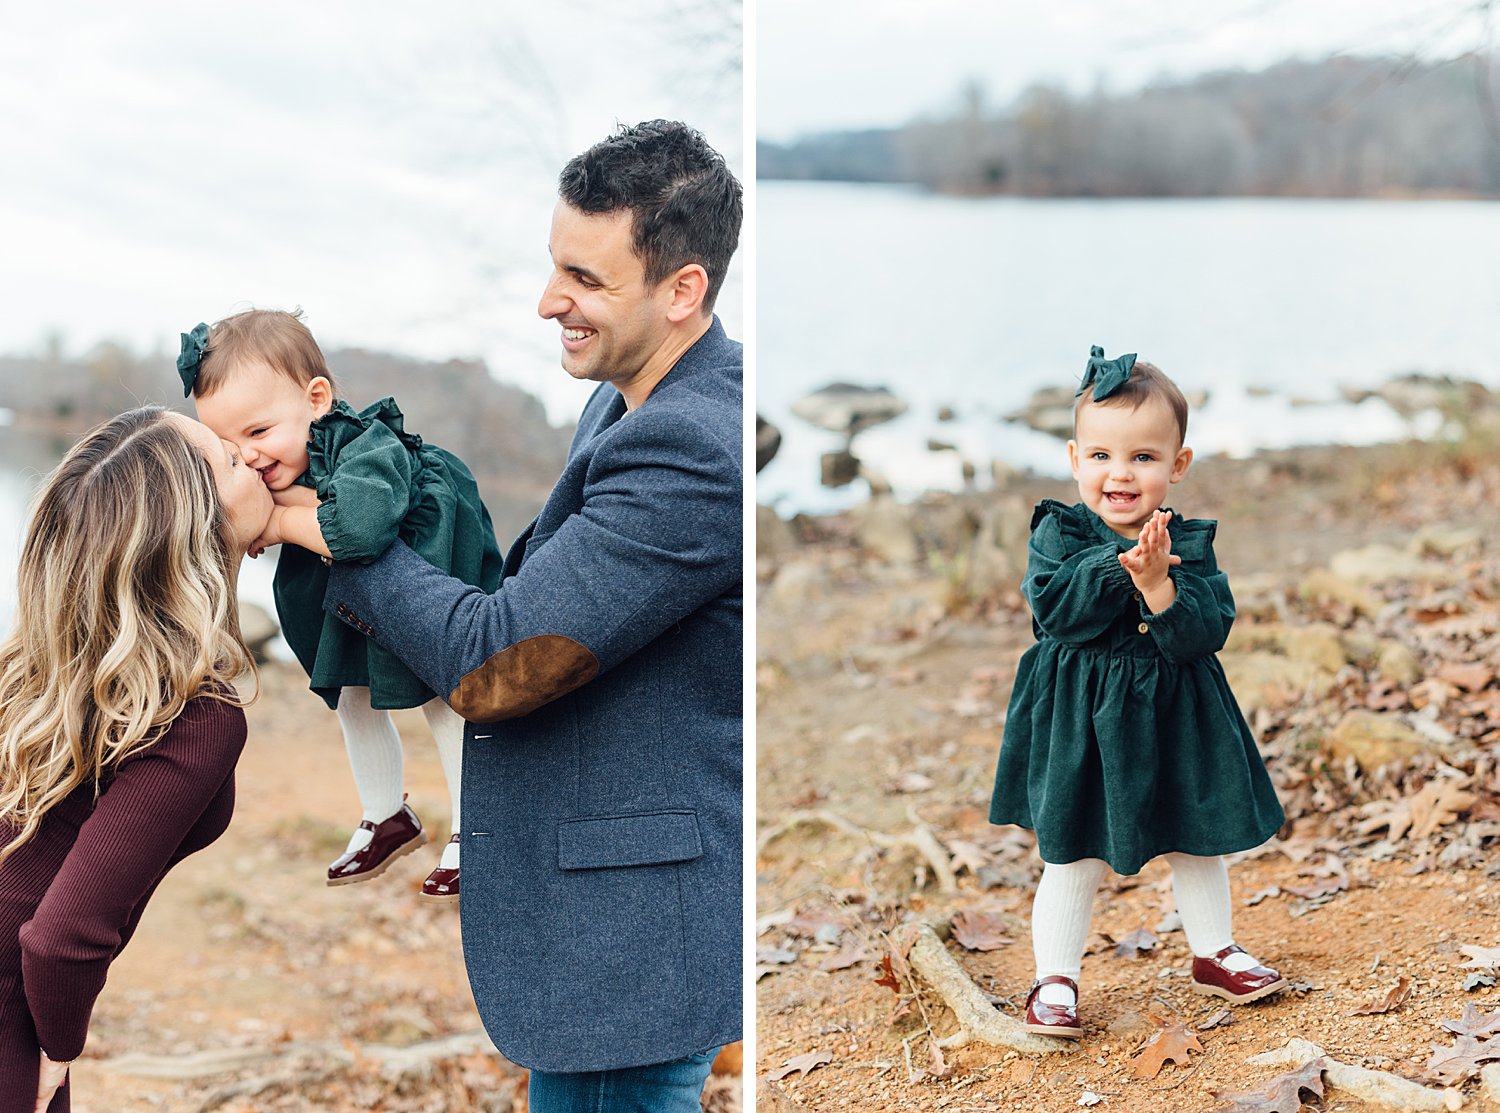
x=1262, y=678
x=258, y=629
x=1398, y=664
x=883, y=527
x=796, y=584
x=1049, y=410
x=1378, y=564
x=848, y=407
x=1447, y=542
x=1373, y=739
x=1321, y=585
x=1316, y=643
x=773, y=537
x=767, y=442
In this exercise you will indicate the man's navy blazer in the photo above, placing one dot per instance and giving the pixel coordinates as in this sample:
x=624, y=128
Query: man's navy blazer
x=602, y=803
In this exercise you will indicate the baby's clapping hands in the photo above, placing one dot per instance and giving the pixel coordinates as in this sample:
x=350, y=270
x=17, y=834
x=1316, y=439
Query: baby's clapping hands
x=1148, y=563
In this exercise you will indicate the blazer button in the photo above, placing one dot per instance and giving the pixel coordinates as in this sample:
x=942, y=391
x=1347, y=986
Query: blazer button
x=1143, y=628
x=342, y=611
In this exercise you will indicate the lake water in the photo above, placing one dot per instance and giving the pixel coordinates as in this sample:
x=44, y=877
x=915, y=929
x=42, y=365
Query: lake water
x=976, y=303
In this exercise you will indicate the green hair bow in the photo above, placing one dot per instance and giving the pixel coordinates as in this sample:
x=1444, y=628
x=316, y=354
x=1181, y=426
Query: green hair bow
x=188, y=362
x=1105, y=375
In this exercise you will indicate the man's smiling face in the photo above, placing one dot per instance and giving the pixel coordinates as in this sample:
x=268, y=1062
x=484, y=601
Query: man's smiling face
x=612, y=322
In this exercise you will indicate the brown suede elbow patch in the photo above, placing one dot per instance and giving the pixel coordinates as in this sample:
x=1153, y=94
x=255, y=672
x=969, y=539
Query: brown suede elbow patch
x=522, y=677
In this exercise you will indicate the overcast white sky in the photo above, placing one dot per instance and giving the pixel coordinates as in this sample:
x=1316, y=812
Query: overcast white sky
x=390, y=167
x=868, y=63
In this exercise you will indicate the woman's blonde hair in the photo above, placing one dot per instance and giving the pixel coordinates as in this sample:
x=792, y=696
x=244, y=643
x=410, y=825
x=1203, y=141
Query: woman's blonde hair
x=126, y=610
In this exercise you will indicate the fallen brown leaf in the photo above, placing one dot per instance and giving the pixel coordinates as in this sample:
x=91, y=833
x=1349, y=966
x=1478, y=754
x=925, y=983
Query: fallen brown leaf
x=888, y=975
x=937, y=1066
x=1221, y=1019
x=851, y=954
x=980, y=931
x=1283, y=1094
x=1172, y=1042
x=804, y=1063
x=1471, y=676
x=1461, y=1061
x=1438, y=803
x=1485, y=958
x=1473, y=1022
x=968, y=855
x=1384, y=1003
x=817, y=923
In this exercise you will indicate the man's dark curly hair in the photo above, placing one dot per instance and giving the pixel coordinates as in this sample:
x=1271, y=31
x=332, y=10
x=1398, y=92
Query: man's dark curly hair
x=686, y=206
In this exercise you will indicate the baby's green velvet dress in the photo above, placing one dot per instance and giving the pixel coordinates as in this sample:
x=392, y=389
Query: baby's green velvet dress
x=1123, y=740
x=378, y=483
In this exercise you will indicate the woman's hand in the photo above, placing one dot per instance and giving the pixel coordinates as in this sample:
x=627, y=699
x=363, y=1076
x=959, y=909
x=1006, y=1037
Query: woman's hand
x=50, y=1078
x=1151, y=560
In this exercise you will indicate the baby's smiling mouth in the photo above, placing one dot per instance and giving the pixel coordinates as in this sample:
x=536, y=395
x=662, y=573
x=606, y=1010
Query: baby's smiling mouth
x=1121, y=498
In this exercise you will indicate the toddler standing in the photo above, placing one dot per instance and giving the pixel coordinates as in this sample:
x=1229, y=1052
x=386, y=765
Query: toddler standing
x=1123, y=741
x=260, y=381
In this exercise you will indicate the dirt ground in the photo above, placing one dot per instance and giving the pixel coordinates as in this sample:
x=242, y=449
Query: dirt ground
x=244, y=949
x=880, y=709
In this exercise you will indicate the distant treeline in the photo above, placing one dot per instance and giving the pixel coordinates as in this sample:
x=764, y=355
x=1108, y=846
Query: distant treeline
x=500, y=431
x=1340, y=127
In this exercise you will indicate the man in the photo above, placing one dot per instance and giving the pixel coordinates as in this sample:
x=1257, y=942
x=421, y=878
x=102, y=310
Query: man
x=601, y=903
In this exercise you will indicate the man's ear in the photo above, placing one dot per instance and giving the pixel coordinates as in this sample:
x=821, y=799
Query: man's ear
x=319, y=395
x=689, y=289
x=1180, y=465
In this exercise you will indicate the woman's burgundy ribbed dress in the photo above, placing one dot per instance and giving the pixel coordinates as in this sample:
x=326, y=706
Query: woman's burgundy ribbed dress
x=71, y=897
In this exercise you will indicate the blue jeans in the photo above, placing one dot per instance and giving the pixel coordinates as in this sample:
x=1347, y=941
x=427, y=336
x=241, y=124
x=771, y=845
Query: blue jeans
x=673, y=1087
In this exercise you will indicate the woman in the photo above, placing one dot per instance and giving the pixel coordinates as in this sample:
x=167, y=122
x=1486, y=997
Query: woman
x=119, y=729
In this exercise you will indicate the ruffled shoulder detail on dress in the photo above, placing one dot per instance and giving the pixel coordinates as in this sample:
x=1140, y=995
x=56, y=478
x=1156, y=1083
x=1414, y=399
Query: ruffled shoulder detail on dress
x=331, y=433
x=1192, y=538
x=1080, y=528
x=1077, y=525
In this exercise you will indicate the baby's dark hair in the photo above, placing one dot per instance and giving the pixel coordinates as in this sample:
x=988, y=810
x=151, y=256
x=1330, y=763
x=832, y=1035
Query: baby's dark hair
x=271, y=336
x=1146, y=381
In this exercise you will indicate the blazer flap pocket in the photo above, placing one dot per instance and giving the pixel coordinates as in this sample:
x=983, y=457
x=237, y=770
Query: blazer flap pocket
x=601, y=842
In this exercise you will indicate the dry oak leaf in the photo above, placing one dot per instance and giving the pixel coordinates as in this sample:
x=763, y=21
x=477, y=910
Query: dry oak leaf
x=1473, y=1022
x=1174, y=1040
x=804, y=1063
x=1137, y=943
x=888, y=976
x=851, y=954
x=1384, y=1003
x=1470, y=676
x=980, y=931
x=968, y=856
x=1283, y=1094
x=1437, y=804
x=1455, y=1064
x=937, y=1066
x=1485, y=958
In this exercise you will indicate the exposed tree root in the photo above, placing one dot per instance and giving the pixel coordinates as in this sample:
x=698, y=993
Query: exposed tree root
x=1379, y=1087
x=977, y=1018
x=201, y=1064
x=920, y=839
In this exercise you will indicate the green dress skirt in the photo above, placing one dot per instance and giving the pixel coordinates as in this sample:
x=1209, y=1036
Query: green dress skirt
x=377, y=483
x=1123, y=740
